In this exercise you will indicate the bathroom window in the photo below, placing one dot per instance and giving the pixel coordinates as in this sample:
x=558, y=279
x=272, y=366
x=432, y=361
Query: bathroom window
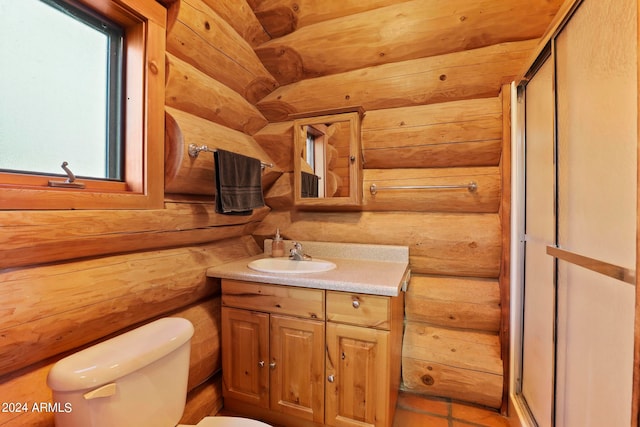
x=310, y=151
x=82, y=83
x=61, y=96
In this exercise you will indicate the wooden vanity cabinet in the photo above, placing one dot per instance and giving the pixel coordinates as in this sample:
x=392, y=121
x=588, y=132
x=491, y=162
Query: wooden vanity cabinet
x=325, y=357
x=364, y=340
x=357, y=375
x=273, y=348
x=297, y=381
x=245, y=335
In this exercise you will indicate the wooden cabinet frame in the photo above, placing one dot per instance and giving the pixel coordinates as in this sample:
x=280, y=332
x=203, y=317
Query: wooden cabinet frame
x=343, y=373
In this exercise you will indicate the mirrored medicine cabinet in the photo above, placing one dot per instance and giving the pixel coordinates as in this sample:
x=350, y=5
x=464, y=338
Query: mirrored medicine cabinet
x=327, y=161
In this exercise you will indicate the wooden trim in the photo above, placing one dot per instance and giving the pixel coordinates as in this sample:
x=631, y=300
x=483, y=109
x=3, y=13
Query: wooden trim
x=354, y=199
x=635, y=394
x=39, y=237
x=144, y=24
x=24, y=180
x=610, y=270
x=309, y=114
x=505, y=267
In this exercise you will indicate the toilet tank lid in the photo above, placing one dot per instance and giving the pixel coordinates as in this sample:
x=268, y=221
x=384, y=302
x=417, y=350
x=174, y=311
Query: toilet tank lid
x=119, y=356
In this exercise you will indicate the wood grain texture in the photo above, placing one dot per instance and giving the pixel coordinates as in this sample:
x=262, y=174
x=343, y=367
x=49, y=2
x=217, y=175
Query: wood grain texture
x=245, y=343
x=280, y=195
x=203, y=39
x=449, y=363
x=142, y=111
x=401, y=32
x=429, y=118
x=204, y=400
x=281, y=17
x=439, y=243
x=192, y=91
x=52, y=309
x=486, y=198
x=285, y=300
x=27, y=385
x=607, y=269
x=240, y=16
x=505, y=269
x=477, y=73
x=276, y=139
x=370, y=311
x=37, y=237
x=450, y=134
x=296, y=383
x=206, y=354
x=454, y=302
x=188, y=175
x=358, y=359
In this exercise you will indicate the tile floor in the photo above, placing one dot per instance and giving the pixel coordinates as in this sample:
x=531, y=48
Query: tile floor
x=419, y=411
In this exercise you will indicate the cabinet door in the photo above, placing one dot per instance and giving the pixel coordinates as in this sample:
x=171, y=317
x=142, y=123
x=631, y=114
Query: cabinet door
x=357, y=369
x=245, y=352
x=297, y=367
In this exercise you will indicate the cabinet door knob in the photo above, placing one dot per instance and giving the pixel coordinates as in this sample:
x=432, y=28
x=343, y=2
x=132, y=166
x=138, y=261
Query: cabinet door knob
x=331, y=378
x=272, y=365
x=261, y=363
x=355, y=304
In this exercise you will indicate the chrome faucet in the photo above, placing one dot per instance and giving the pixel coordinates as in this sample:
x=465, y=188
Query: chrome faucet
x=297, y=254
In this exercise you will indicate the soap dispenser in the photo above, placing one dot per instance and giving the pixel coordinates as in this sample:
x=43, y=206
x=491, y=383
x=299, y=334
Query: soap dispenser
x=277, y=245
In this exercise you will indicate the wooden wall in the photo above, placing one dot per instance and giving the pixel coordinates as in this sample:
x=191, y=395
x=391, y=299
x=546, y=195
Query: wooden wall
x=71, y=278
x=429, y=75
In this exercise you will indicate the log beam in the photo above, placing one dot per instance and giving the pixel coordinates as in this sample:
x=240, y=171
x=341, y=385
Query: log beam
x=280, y=195
x=276, y=139
x=38, y=237
x=194, y=92
x=454, y=302
x=281, y=17
x=187, y=175
x=202, y=38
x=461, y=365
x=477, y=73
x=402, y=32
x=203, y=401
x=451, y=134
x=240, y=16
x=52, y=309
x=440, y=244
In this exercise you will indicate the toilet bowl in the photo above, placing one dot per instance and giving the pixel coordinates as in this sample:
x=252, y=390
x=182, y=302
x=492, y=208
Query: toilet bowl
x=137, y=379
x=227, y=422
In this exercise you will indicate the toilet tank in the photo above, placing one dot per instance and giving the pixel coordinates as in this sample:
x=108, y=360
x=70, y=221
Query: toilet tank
x=136, y=379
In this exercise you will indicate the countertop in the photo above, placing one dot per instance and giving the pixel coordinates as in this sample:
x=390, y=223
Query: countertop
x=365, y=269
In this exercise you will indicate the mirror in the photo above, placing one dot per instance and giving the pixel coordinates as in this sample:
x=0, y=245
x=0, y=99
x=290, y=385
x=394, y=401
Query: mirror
x=327, y=161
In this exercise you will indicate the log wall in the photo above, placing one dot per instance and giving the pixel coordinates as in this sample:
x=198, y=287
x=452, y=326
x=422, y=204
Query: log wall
x=69, y=279
x=430, y=76
x=454, y=236
x=72, y=278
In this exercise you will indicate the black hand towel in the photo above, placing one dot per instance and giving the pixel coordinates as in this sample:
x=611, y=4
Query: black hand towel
x=309, y=187
x=238, y=183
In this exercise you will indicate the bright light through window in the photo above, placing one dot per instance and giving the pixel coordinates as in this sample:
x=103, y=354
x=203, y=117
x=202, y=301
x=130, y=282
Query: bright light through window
x=59, y=90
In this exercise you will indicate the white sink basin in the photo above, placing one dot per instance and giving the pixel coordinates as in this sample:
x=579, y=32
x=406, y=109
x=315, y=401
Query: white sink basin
x=289, y=266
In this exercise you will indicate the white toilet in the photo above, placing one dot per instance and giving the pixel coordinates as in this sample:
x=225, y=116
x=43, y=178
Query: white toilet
x=137, y=379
